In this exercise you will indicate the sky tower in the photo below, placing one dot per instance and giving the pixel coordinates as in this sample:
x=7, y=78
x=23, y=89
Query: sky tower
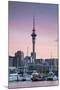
x=33, y=54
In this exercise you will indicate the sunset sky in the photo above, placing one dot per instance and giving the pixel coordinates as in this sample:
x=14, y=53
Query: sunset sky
x=20, y=22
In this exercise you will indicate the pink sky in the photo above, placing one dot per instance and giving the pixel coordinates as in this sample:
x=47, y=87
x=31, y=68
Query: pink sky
x=21, y=25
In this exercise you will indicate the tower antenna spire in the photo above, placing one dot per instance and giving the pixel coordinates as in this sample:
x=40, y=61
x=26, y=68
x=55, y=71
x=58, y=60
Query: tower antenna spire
x=33, y=22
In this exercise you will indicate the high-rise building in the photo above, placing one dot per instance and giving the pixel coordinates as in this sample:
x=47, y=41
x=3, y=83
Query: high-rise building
x=19, y=56
x=11, y=58
x=33, y=54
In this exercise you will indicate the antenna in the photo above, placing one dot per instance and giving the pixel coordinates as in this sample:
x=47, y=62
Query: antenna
x=33, y=22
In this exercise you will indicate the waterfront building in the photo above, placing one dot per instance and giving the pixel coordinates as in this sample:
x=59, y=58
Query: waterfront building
x=53, y=64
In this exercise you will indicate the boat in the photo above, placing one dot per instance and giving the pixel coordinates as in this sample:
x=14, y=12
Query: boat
x=51, y=76
x=35, y=76
x=26, y=77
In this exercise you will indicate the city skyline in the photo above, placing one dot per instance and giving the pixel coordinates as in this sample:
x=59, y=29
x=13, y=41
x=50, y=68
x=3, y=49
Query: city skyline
x=21, y=25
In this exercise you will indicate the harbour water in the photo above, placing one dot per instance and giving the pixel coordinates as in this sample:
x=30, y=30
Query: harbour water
x=29, y=84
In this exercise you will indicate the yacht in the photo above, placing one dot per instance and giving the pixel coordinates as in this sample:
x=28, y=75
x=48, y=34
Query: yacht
x=51, y=76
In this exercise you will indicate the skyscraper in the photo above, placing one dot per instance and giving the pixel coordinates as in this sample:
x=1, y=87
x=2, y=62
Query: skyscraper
x=19, y=56
x=33, y=54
